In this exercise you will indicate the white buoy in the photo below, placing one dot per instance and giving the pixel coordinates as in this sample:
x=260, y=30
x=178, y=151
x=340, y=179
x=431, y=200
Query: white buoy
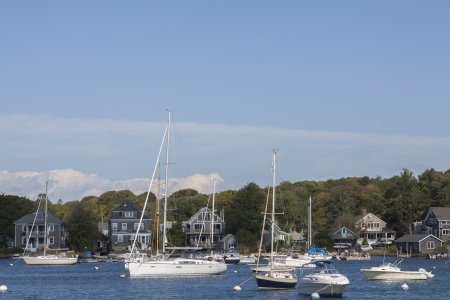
x=235, y=271
x=96, y=268
x=3, y=288
x=405, y=286
x=237, y=288
x=315, y=295
x=11, y=265
x=122, y=276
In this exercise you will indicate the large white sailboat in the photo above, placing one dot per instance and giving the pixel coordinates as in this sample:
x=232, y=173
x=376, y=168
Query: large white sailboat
x=162, y=265
x=57, y=256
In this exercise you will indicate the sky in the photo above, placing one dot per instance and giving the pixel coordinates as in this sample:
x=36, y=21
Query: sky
x=338, y=88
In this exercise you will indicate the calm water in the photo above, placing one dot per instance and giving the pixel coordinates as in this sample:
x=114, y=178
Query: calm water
x=82, y=281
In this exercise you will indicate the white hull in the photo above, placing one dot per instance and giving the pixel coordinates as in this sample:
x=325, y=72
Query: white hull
x=295, y=263
x=50, y=260
x=396, y=275
x=175, y=267
x=323, y=284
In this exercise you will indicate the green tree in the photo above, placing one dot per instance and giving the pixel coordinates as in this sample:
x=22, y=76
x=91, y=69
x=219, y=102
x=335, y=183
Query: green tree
x=81, y=227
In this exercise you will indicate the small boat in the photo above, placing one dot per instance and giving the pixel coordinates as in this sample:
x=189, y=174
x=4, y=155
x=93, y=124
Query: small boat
x=326, y=281
x=248, y=259
x=392, y=271
x=232, y=256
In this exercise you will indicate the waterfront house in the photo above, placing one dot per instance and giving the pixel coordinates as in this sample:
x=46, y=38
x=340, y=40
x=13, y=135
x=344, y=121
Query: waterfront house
x=374, y=230
x=411, y=244
x=201, y=227
x=24, y=229
x=344, y=238
x=228, y=242
x=123, y=226
x=436, y=222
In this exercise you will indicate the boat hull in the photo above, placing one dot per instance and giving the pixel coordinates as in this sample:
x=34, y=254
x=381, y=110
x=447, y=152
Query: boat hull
x=49, y=260
x=323, y=289
x=394, y=275
x=268, y=282
x=175, y=268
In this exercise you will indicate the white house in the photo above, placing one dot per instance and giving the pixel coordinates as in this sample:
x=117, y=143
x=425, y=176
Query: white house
x=374, y=230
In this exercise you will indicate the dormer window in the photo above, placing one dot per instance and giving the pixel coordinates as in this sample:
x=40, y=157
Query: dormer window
x=128, y=214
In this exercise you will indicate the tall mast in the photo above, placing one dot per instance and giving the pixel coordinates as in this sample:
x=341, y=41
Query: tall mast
x=166, y=183
x=213, y=214
x=45, y=219
x=309, y=223
x=158, y=197
x=273, y=206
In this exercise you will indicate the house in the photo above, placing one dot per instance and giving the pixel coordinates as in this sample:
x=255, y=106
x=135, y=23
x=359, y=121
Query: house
x=418, y=244
x=24, y=229
x=436, y=222
x=123, y=226
x=344, y=238
x=278, y=235
x=228, y=242
x=372, y=229
x=201, y=227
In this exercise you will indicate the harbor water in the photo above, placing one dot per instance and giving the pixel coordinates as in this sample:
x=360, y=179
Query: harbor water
x=104, y=281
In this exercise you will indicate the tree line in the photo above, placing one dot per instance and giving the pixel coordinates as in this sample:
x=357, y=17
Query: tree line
x=399, y=201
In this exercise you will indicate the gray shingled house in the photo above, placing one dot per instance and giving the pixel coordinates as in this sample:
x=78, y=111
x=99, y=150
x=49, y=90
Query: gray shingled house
x=56, y=235
x=199, y=228
x=123, y=226
x=436, y=222
x=418, y=244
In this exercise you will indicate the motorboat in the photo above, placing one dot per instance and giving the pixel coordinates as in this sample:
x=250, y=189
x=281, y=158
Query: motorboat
x=248, y=259
x=326, y=281
x=392, y=271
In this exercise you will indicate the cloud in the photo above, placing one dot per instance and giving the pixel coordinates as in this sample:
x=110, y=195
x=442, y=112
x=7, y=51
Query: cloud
x=90, y=156
x=69, y=184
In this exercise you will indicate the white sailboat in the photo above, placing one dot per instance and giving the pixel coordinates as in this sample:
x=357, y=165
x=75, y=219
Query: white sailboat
x=275, y=278
x=163, y=265
x=59, y=256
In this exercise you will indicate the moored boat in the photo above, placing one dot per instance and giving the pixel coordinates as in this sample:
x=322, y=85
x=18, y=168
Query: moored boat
x=392, y=271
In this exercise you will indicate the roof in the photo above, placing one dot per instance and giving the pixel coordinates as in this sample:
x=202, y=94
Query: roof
x=441, y=213
x=415, y=238
x=203, y=210
x=128, y=206
x=344, y=233
x=369, y=218
x=28, y=219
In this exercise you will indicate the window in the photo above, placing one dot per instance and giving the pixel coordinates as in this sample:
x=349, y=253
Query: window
x=120, y=238
x=51, y=227
x=445, y=231
x=128, y=214
x=430, y=245
x=24, y=228
x=136, y=226
x=24, y=240
x=51, y=240
x=124, y=226
x=377, y=225
x=198, y=227
x=114, y=226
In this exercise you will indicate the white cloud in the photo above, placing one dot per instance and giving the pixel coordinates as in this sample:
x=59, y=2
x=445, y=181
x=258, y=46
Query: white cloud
x=90, y=156
x=69, y=184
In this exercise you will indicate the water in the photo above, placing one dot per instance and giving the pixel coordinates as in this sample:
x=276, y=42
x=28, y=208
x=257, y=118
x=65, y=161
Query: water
x=83, y=281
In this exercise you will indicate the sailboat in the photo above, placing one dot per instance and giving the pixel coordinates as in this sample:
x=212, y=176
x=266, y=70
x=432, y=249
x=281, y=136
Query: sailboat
x=59, y=257
x=162, y=265
x=313, y=252
x=275, y=278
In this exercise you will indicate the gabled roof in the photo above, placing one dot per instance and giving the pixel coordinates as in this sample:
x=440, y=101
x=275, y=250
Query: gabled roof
x=370, y=217
x=415, y=238
x=128, y=206
x=441, y=213
x=28, y=219
x=200, y=211
x=344, y=233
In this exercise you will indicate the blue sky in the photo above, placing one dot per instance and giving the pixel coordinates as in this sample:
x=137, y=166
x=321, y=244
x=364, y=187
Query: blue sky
x=340, y=88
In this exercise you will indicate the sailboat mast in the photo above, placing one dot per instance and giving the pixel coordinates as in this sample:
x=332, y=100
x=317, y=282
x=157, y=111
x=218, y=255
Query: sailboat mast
x=45, y=219
x=213, y=214
x=273, y=206
x=158, y=197
x=309, y=223
x=166, y=183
